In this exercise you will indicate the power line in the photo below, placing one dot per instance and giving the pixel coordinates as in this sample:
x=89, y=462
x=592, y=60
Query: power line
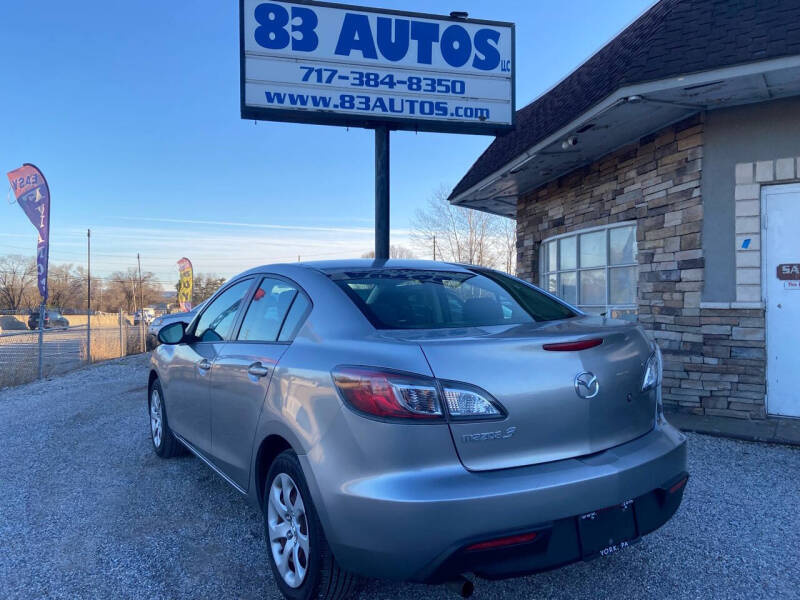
x=291, y=258
x=79, y=279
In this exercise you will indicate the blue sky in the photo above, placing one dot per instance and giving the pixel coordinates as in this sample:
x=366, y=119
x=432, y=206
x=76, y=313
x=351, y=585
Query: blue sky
x=132, y=112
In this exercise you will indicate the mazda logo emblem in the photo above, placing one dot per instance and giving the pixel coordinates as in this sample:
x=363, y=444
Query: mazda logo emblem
x=586, y=385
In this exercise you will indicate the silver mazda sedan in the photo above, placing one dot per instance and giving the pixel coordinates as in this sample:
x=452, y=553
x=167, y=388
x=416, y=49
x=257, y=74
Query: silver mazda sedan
x=419, y=421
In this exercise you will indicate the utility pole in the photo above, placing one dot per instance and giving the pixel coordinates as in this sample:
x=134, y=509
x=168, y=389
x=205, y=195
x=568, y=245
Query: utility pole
x=141, y=297
x=434, y=246
x=89, y=295
x=133, y=294
x=123, y=337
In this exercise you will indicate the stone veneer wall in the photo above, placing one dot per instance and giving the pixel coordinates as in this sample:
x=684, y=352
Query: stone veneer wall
x=749, y=179
x=714, y=357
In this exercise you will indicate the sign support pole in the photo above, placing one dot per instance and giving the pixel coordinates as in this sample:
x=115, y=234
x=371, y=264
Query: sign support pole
x=41, y=338
x=89, y=296
x=382, y=192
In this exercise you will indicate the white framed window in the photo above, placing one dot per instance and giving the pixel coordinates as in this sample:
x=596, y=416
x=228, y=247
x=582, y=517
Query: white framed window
x=594, y=269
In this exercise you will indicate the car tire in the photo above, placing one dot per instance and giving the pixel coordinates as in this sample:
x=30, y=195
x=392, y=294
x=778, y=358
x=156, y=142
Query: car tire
x=165, y=444
x=323, y=578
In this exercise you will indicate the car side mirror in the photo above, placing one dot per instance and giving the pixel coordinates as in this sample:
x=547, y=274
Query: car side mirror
x=172, y=334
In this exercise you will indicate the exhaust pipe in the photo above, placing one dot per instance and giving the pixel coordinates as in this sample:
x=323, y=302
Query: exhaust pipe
x=461, y=586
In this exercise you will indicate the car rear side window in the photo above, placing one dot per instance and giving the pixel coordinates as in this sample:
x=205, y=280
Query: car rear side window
x=294, y=320
x=267, y=310
x=218, y=318
x=421, y=299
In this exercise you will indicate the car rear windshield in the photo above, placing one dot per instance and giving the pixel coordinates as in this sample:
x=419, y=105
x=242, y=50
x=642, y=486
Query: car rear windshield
x=422, y=299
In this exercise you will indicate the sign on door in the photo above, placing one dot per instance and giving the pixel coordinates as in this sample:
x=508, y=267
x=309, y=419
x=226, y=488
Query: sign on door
x=782, y=296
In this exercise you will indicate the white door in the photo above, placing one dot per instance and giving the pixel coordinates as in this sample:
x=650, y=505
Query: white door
x=782, y=297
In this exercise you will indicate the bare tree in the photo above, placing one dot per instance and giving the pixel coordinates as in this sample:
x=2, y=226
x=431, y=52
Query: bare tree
x=507, y=244
x=124, y=290
x=17, y=282
x=205, y=286
x=461, y=234
x=101, y=295
x=66, y=287
x=394, y=252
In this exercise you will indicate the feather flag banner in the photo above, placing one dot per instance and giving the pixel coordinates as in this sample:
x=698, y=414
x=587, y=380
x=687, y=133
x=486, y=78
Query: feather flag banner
x=187, y=280
x=33, y=195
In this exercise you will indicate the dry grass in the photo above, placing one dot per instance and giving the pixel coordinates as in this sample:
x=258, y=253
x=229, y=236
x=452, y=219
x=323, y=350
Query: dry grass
x=105, y=346
x=97, y=320
x=19, y=363
x=18, y=366
x=19, y=372
x=135, y=336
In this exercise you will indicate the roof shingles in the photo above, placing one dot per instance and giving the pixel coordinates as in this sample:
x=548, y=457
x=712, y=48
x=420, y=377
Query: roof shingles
x=674, y=37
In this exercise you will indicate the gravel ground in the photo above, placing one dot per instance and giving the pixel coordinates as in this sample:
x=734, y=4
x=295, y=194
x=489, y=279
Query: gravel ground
x=88, y=511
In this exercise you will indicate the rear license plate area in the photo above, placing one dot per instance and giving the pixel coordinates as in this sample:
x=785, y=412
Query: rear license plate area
x=607, y=530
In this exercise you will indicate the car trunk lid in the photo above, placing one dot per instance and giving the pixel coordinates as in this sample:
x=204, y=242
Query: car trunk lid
x=547, y=418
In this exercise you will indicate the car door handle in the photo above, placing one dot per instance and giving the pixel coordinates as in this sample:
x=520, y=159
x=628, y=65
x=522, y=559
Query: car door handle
x=204, y=364
x=258, y=370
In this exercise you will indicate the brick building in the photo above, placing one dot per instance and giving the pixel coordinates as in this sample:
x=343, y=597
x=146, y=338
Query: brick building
x=659, y=182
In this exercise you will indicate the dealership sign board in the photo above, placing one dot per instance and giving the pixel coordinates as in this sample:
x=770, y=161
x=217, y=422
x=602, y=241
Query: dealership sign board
x=790, y=275
x=789, y=272
x=315, y=62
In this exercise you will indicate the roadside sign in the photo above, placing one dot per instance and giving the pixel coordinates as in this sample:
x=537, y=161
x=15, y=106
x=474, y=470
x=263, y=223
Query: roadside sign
x=789, y=272
x=334, y=64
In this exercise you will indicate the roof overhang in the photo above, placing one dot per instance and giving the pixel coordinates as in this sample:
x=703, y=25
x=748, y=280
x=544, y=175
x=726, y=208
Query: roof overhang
x=625, y=116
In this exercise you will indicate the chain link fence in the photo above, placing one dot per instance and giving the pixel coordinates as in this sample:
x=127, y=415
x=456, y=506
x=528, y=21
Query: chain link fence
x=66, y=348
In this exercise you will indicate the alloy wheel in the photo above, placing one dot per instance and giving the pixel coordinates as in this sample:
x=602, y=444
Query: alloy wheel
x=287, y=526
x=156, y=420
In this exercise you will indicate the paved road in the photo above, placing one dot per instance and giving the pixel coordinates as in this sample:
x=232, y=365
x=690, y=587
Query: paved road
x=88, y=511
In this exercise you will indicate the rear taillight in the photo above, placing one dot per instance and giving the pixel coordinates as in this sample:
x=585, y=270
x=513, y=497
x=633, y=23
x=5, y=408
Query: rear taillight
x=652, y=370
x=387, y=394
x=464, y=402
x=392, y=395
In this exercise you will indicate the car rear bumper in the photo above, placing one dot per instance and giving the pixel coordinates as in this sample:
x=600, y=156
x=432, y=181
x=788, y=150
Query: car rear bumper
x=416, y=525
x=567, y=540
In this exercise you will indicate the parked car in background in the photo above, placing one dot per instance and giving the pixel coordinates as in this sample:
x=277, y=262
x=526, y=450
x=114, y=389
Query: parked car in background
x=164, y=320
x=11, y=323
x=413, y=420
x=147, y=315
x=53, y=319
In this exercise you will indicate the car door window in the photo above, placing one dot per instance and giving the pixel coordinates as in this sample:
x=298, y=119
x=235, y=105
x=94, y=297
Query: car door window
x=295, y=318
x=267, y=311
x=217, y=320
